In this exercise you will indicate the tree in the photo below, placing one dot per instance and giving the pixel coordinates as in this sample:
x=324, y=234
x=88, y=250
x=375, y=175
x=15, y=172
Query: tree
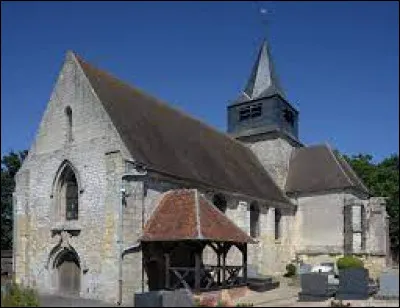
x=10, y=165
x=382, y=179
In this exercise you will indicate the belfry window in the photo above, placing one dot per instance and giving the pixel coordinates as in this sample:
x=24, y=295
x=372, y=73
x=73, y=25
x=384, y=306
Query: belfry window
x=288, y=116
x=68, y=113
x=248, y=112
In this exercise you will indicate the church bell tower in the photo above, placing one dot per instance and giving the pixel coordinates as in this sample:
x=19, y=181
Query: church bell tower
x=262, y=107
x=263, y=119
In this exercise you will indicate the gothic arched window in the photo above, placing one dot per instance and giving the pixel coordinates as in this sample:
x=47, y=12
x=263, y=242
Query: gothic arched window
x=68, y=193
x=68, y=113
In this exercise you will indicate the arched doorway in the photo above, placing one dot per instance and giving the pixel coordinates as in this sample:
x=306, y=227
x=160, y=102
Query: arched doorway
x=69, y=273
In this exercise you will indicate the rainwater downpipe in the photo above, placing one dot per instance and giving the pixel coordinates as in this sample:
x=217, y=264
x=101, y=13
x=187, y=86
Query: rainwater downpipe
x=120, y=240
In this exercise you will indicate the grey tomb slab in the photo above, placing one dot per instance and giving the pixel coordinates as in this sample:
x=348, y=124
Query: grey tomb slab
x=388, y=286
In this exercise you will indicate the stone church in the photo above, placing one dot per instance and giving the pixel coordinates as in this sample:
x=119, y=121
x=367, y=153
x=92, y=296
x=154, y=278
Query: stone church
x=106, y=154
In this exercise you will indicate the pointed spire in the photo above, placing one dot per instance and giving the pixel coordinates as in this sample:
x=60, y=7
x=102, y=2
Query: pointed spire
x=263, y=79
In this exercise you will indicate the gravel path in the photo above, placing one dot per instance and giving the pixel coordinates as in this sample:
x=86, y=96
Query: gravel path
x=59, y=301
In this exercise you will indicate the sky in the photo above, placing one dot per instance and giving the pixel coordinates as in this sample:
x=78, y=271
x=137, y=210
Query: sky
x=338, y=62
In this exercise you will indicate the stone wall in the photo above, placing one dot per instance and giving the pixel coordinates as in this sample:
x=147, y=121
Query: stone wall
x=377, y=227
x=321, y=217
x=274, y=155
x=268, y=255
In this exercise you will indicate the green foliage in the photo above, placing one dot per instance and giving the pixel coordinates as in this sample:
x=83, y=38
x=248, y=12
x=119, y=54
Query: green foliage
x=349, y=262
x=17, y=296
x=290, y=270
x=10, y=164
x=382, y=179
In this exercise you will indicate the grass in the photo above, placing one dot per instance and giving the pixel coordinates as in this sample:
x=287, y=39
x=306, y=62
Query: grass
x=18, y=296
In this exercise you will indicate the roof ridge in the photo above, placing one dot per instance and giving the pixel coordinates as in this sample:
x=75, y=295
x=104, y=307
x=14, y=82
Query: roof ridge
x=212, y=205
x=340, y=166
x=342, y=159
x=153, y=215
x=198, y=225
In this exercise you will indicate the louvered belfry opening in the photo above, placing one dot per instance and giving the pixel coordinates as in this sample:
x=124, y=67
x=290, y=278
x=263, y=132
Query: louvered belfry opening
x=176, y=236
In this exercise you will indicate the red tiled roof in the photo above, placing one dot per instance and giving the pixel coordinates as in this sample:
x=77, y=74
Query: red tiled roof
x=187, y=215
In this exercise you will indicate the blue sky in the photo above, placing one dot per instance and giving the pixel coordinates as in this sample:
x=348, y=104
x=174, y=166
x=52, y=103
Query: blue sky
x=338, y=62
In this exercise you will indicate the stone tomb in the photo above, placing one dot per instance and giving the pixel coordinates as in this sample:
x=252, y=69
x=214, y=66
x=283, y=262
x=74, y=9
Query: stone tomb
x=389, y=285
x=163, y=298
x=353, y=284
x=315, y=287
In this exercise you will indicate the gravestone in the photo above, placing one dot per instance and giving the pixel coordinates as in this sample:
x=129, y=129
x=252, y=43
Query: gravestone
x=163, y=298
x=388, y=286
x=314, y=287
x=305, y=268
x=353, y=284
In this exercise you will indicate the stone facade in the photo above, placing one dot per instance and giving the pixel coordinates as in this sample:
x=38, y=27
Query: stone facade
x=96, y=155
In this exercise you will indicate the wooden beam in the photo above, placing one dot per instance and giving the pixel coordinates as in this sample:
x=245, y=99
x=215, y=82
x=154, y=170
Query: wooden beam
x=244, y=254
x=197, y=272
x=181, y=278
x=224, y=252
x=213, y=247
x=219, y=267
x=167, y=266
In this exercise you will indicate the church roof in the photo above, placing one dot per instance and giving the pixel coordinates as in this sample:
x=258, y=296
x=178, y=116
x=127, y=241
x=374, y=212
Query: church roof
x=185, y=214
x=169, y=141
x=318, y=168
x=263, y=81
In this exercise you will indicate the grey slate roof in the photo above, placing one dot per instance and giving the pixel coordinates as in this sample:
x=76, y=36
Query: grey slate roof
x=171, y=142
x=318, y=168
x=263, y=81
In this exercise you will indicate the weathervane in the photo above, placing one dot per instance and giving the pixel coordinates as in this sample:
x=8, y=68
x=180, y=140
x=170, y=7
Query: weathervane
x=264, y=17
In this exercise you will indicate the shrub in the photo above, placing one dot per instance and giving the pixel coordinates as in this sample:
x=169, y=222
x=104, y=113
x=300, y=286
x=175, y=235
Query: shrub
x=349, y=262
x=17, y=296
x=290, y=270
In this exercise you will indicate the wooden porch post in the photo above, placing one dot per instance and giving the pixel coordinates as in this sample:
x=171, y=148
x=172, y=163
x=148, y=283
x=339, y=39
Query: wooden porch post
x=224, y=251
x=219, y=265
x=197, y=272
x=167, y=265
x=244, y=253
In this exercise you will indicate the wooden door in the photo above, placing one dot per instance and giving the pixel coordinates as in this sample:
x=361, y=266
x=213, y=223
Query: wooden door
x=69, y=275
